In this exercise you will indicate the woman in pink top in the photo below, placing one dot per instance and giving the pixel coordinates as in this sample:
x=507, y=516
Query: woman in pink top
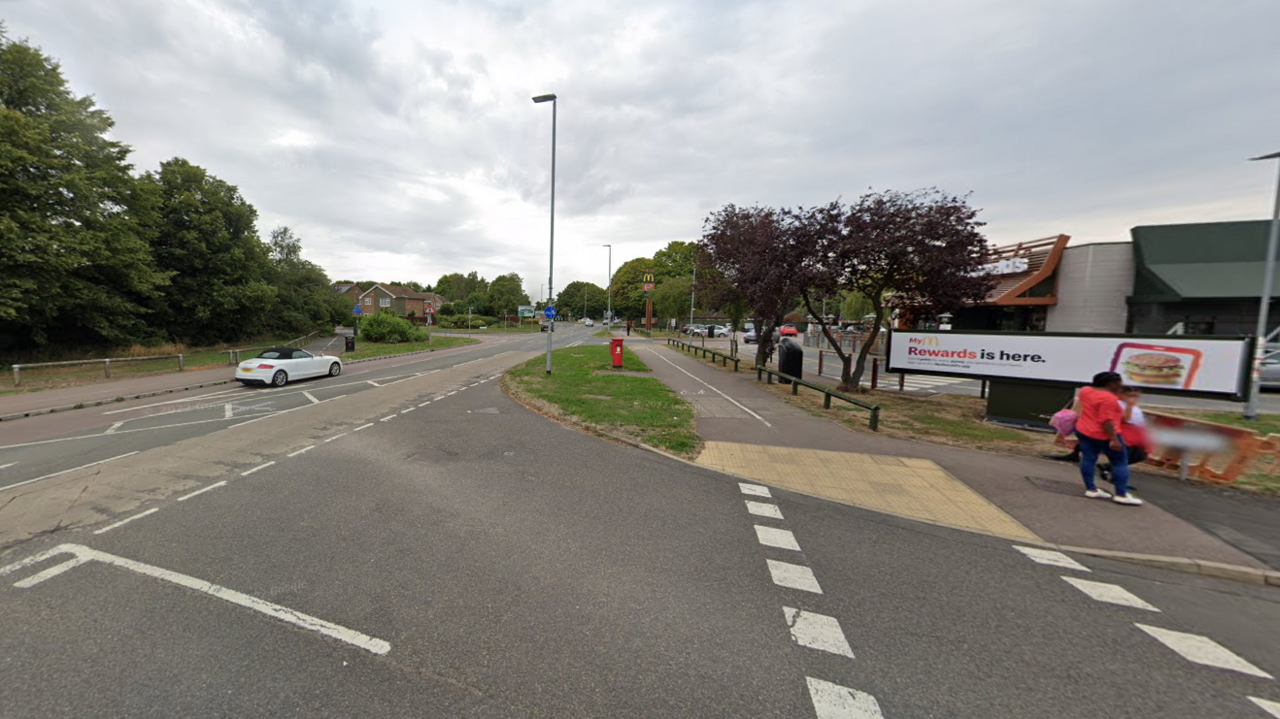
x=1098, y=430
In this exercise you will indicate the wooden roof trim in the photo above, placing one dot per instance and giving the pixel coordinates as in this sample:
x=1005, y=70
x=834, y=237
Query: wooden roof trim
x=1059, y=245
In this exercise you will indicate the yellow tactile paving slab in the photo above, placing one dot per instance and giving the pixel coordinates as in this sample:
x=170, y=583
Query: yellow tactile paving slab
x=908, y=487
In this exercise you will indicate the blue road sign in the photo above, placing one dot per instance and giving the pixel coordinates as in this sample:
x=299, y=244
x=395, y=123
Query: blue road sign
x=549, y=312
x=357, y=311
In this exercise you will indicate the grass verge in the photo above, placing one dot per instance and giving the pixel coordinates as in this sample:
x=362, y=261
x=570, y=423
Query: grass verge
x=365, y=349
x=583, y=386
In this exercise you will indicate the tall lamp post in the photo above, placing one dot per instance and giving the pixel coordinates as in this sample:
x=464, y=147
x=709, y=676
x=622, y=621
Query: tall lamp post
x=609, y=288
x=551, y=326
x=1264, y=303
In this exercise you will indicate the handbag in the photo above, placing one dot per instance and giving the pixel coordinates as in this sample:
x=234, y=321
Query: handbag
x=1064, y=420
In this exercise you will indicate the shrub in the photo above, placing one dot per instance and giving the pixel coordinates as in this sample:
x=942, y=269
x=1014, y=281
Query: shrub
x=386, y=327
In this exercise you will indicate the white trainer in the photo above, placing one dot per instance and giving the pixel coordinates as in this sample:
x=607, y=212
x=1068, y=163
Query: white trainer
x=1128, y=499
x=1097, y=494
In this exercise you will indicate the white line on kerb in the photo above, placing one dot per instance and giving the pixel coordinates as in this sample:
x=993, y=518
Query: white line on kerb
x=344, y=434
x=713, y=389
x=1203, y=650
x=81, y=554
x=311, y=397
x=817, y=631
x=255, y=469
x=304, y=449
x=126, y=520
x=794, y=576
x=1110, y=593
x=67, y=471
x=832, y=701
x=1272, y=708
x=1051, y=558
x=363, y=426
x=202, y=490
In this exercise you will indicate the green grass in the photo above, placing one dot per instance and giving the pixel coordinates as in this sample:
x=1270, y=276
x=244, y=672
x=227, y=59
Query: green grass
x=1264, y=425
x=365, y=350
x=583, y=386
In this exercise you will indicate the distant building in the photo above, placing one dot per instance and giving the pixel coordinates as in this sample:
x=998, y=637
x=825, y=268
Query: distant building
x=351, y=291
x=401, y=301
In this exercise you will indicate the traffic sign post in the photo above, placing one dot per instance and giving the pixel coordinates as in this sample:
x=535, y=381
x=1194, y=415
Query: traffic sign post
x=549, y=313
x=355, y=329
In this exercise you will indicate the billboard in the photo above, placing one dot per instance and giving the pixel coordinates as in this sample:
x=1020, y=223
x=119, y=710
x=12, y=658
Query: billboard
x=526, y=310
x=1207, y=365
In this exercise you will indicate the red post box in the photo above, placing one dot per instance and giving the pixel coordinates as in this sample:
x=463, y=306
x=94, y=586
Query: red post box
x=615, y=350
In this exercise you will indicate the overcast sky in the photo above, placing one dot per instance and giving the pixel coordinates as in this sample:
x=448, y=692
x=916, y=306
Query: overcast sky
x=398, y=138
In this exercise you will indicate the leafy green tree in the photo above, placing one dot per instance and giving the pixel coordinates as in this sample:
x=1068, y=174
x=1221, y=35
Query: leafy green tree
x=628, y=294
x=304, y=299
x=74, y=265
x=204, y=232
x=674, y=260
x=570, y=299
x=671, y=299
x=506, y=293
x=478, y=302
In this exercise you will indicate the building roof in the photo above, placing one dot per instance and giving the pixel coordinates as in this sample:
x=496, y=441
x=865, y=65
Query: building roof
x=344, y=287
x=1042, y=257
x=1210, y=260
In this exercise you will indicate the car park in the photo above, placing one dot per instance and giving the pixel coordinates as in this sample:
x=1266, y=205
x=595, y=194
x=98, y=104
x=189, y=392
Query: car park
x=280, y=365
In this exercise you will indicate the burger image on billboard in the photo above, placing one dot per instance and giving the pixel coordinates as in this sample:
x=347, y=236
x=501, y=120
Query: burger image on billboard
x=1153, y=368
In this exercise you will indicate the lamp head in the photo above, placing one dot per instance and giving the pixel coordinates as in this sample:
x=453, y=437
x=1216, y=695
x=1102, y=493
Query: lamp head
x=550, y=97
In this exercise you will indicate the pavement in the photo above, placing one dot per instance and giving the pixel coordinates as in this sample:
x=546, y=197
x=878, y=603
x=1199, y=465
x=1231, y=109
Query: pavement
x=428, y=547
x=755, y=434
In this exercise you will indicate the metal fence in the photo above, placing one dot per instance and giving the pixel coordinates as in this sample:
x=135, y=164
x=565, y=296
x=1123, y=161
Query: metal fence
x=106, y=364
x=233, y=356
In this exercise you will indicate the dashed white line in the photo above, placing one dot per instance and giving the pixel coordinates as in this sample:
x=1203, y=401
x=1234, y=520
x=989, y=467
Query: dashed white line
x=1110, y=593
x=125, y=521
x=794, y=576
x=255, y=469
x=407, y=411
x=6, y=466
x=449, y=394
x=1203, y=650
x=304, y=449
x=344, y=434
x=477, y=384
x=1272, y=708
x=66, y=471
x=375, y=384
x=1051, y=558
x=761, y=509
x=736, y=403
x=780, y=538
x=387, y=419
x=424, y=404
x=754, y=490
x=817, y=631
x=112, y=429
x=311, y=397
x=202, y=490
x=832, y=701
x=470, y=361
x=363, y=426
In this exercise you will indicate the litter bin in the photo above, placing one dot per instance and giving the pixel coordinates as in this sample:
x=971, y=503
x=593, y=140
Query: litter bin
x=615, y=351
x=351, y=343
x=790, y=359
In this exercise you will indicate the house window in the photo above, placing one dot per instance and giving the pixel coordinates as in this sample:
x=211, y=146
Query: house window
x=384, y=301
x=368, y=300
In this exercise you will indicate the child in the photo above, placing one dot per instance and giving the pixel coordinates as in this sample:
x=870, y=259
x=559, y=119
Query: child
x=1133, y=429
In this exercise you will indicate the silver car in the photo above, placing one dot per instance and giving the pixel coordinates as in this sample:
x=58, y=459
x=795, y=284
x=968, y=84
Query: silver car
x=1270, y=378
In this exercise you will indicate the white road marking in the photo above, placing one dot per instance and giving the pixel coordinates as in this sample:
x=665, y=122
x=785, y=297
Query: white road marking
x=794, y=576
x=832, y=701
x=375, y=384
x=284, y=614
x=387, y=419
x=111, y=429
x=6, y=466
x=448, y=394
x=722, y=394
x=66, y=471
x=1203, y=650
x=304, y=449
x=471, y=361
x=1272, y=708
x=50, y=573
x=363, y=426
x=754, y=489
x=126, y=520
x=477, y=384
x=344, y=434
x=311, y=397
x=1051, y=558
x=761, y=509
x=255, y=469
x=1110, y=593
x=780, y=538
x=228, y=411
x=817, y=631
x=424, y=404
x=202, y=490
x=407, y=411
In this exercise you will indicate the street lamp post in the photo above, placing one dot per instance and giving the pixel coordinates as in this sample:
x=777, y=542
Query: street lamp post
x=1264, y=303
x=609, y=288
x=693, y=293
x=551, y=322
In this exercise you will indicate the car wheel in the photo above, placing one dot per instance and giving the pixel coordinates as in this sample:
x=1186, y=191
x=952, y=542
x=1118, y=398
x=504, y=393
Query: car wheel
x=279, y=379
x=335, y=369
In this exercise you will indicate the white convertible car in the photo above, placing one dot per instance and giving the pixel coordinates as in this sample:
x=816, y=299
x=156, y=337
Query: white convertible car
x=278, y=365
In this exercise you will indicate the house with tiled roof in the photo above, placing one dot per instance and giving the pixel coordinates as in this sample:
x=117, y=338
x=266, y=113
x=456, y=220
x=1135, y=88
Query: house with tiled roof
x=401, y=301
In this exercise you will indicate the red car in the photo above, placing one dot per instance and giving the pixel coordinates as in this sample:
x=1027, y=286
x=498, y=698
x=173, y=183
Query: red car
x=788, y=331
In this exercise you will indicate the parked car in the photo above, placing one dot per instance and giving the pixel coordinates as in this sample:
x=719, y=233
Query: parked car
x=788, y=330
x=278, y=365
x=750, y=337
x=589, y=323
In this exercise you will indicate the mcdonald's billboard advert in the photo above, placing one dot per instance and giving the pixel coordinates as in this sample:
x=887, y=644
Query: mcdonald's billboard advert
x=1170, y=363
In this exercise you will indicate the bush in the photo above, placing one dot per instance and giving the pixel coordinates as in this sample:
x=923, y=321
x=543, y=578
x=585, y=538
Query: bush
x=386, y=327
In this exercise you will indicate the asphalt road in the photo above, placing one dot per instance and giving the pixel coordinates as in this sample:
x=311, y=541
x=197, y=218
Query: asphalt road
x=431, y=548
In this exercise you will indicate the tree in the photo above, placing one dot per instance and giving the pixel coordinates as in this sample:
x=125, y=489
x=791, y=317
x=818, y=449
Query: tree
x=478, y=302
x=506, y=294
x=750, y=249
x=671, y=297
x=675, y=260
x=570, y=299
x=304, y=299
x=75, y=267
x=628, y=294
x=918, y=251
x=457, y=286
x=204, y=233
